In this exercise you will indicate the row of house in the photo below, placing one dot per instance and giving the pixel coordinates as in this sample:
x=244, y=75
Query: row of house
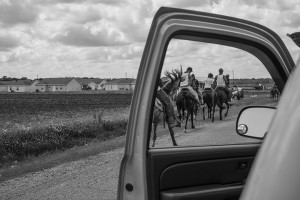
x=66, y=84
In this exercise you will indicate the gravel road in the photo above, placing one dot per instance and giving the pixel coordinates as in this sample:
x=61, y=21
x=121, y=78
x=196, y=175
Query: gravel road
x=96, y=177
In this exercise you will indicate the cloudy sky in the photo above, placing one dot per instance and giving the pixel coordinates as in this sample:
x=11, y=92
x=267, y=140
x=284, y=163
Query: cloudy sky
x=105, y=38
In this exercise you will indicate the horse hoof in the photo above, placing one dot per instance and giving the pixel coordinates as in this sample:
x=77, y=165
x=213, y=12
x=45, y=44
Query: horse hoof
x=184, y=130
x=193, y=126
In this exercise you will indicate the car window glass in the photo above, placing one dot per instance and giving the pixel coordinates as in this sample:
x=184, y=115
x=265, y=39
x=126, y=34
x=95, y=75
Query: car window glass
x=244, y=75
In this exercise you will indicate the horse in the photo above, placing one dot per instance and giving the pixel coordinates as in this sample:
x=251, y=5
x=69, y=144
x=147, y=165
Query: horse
x=195, y=85
x=275, y=93
x=219, y=97
x=170, y=88
x=186, y=101
x=239, y=94
x=207, y=98
x=180, y=102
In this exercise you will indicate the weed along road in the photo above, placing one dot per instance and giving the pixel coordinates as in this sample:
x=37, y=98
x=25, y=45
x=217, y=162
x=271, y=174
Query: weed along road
x=96, y=177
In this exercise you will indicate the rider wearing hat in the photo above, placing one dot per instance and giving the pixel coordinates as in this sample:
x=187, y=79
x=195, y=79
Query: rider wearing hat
x=186, y=84
x=221, y=81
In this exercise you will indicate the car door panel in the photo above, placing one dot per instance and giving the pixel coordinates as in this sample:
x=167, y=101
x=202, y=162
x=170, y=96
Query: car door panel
x=212, y=192
x=193, y=172
x=145, y=172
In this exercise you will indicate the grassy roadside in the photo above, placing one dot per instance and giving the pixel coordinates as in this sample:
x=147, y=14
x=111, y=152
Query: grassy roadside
x=48, y=160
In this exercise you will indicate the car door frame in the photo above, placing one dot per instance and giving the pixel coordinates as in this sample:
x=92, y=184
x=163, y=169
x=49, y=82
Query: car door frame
x=167, y=23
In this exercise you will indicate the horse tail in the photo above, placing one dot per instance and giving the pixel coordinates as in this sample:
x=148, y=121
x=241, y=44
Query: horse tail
x=217, y=100
x=213, y=93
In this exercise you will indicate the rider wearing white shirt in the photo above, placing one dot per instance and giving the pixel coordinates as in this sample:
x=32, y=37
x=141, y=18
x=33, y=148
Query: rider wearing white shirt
x=222, y=82
x=209, y=82
x=187, y=84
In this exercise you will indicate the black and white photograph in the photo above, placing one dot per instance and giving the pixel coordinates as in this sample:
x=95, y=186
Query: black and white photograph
x=149, y=99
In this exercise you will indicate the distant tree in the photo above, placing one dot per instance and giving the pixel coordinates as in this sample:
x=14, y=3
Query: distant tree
x=24, y=78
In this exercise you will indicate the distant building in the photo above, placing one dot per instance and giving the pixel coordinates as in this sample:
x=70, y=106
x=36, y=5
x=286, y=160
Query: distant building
x=125, y=84
x=58, y=85
x=87, y=83
x=18, y=85
x=100, y=83
x=93, y=83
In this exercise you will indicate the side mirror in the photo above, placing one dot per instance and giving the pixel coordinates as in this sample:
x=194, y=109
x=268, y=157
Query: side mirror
x=254, y=121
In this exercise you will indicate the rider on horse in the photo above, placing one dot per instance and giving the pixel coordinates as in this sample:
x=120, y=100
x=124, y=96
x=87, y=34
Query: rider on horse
x=165, y=99
x=221, y=81
x=188, y=83
x=208, y=83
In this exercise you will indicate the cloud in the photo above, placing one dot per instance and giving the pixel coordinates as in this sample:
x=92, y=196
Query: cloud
x=8, y=42
x=189, y=3
x=79, y=14
x=106, y=2
x=17, y=12
x=182, y=4
x=110, y=54
x=292, y=20
x=84, y=37
x=208, y=58
x=58, y=37
x=134, y=19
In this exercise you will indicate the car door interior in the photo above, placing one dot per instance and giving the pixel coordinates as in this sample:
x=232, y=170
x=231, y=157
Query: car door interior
x=212, y=172
x=209, y=172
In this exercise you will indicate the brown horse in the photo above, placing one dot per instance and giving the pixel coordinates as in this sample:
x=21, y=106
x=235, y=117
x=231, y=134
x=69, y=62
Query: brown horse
x=170, y=88
x=179, y=99
x=186, y=101
x=207, y=98
x=219, y=97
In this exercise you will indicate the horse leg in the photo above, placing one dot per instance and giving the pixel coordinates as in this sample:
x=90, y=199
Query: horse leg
x=179, y=113
x=213, y=113
x=154, y=133
x=221, y=109
x=203, y=109
x=192, y=119
x=186, y=120
x=183, y=114
x=172, y=135
x=227, y=104
x=209, y=111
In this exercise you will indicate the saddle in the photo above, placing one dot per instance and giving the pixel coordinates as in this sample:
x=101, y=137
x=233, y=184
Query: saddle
x=220, y=89
x=207, y=90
